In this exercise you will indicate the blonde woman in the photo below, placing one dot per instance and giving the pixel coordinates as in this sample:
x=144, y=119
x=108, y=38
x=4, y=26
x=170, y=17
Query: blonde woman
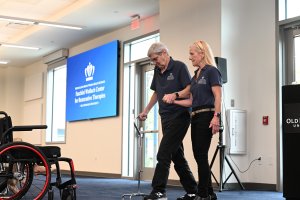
x=205, y=100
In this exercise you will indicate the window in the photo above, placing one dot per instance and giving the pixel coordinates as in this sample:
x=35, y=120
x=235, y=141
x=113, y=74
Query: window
x=297, y=58
x=56, y=104
x=292, y=8
x=288, y=9
x=289, y=40
x=138, y=49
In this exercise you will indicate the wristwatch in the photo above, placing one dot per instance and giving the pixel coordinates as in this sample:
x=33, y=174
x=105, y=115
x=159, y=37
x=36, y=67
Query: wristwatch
x=217, y=114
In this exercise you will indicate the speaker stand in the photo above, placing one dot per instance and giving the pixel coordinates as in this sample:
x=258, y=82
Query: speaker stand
x=221, y=149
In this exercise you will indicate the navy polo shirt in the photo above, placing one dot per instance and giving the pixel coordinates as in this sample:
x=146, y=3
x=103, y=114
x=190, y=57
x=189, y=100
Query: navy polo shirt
x=175, y=78
x=201, y=88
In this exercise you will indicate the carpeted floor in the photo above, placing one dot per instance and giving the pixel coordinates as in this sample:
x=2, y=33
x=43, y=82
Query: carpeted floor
x=114, y=189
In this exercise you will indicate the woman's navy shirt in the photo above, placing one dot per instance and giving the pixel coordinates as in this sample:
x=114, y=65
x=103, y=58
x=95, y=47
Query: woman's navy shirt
x=201, y=87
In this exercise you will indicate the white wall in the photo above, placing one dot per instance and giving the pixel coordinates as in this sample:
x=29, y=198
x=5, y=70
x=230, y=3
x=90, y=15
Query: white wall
x=2, y=88
x=243, y=32
x=34, y=109
x=11, y=88
x=248, y=43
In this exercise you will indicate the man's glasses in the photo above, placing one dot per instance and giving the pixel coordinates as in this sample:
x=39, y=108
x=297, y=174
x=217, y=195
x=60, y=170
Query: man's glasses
x=154, y=58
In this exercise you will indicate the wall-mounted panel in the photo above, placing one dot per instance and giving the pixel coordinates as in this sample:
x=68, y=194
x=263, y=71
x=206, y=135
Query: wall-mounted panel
x=237, y=135
x=33, y=87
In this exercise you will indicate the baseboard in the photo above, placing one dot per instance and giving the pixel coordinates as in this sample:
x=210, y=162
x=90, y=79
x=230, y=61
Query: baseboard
x=176, y=183
x=248, y=186
x=236, y=186
x=93, y=174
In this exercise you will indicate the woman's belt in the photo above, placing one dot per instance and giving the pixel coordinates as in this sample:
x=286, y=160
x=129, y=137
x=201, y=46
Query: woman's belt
x=202, y=110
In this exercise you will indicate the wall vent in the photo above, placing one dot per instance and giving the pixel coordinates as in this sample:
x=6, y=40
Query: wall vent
x=56, y=56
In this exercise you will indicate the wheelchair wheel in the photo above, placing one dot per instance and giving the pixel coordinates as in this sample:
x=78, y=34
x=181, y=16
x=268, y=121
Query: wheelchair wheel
x=16, y=179
x=19, y=179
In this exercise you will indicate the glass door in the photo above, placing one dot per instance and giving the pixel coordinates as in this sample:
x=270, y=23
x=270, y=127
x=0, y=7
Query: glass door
x=149, y=127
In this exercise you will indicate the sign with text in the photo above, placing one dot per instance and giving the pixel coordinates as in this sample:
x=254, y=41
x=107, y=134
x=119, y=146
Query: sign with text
x=92, y=83
x=291, y=118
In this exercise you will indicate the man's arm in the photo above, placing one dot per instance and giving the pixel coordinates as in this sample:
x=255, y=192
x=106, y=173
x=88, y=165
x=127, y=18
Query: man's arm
x=185, y=93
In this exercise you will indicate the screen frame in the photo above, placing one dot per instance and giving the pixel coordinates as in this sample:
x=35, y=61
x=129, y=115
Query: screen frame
x=115, y=88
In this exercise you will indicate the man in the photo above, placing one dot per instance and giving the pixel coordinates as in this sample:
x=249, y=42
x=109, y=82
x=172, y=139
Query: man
x=171, y=81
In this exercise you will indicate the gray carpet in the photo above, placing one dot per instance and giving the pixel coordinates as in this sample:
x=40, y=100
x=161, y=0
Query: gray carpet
x=114, y=189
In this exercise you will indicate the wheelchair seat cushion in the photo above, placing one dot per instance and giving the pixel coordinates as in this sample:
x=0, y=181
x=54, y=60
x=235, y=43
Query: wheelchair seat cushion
x=50, y=151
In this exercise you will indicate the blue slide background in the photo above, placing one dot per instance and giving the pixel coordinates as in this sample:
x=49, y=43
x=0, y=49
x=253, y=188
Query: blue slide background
x=96, y=98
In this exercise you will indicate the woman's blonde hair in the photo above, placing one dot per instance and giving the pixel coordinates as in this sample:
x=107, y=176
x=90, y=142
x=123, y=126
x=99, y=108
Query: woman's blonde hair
x=202, y=46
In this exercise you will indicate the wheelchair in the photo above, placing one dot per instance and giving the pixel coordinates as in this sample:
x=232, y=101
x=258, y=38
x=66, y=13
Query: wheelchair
x=26, y=170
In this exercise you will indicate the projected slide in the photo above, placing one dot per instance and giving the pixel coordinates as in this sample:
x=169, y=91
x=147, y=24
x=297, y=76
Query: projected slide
x=92, y=83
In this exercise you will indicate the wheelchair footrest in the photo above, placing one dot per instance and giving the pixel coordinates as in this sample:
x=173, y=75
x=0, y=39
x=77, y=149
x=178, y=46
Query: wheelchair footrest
x=67, y=184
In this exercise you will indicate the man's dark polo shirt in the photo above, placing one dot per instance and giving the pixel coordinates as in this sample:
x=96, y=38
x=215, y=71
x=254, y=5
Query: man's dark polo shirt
x=174, y=79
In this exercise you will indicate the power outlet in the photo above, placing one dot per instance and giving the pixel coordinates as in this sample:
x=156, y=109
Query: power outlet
x=232, y=102
x=259, y=158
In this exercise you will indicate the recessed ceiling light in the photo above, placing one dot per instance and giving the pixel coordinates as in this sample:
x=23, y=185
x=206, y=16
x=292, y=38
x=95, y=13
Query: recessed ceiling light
x=18, y=46
x=2, y=62
x=38, y=22
x=59, y=25
x=21, y=21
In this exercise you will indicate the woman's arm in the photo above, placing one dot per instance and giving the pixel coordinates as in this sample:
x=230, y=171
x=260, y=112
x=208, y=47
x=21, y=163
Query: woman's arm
x=184, y=102
x=217, y=91
x=215, y=122
x=170, y=98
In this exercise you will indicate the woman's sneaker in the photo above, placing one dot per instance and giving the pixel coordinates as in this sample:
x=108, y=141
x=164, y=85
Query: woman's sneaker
x=187, y=197
x=213, y=196
x=156, y=195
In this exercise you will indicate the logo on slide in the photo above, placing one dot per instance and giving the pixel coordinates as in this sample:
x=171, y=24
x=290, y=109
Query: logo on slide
x=89, y=72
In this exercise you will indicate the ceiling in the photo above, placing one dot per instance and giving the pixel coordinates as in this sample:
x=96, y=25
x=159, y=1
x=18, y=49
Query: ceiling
x=97, y=17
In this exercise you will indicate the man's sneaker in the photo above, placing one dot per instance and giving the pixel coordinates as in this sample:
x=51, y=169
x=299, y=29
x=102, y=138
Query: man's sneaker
x=156, y=195
x=203, y=198
x=213, y=196
x=187, y=197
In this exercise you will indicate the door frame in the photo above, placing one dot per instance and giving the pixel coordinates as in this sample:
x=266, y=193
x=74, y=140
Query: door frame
x=148, y=172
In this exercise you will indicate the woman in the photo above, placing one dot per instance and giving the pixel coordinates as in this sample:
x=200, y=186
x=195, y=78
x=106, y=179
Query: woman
x=205, y=99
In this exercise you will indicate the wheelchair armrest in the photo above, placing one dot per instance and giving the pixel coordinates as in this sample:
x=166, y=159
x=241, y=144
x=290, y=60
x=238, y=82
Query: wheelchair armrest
x=22, y=128
x=3, y=113
x=28, y=127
